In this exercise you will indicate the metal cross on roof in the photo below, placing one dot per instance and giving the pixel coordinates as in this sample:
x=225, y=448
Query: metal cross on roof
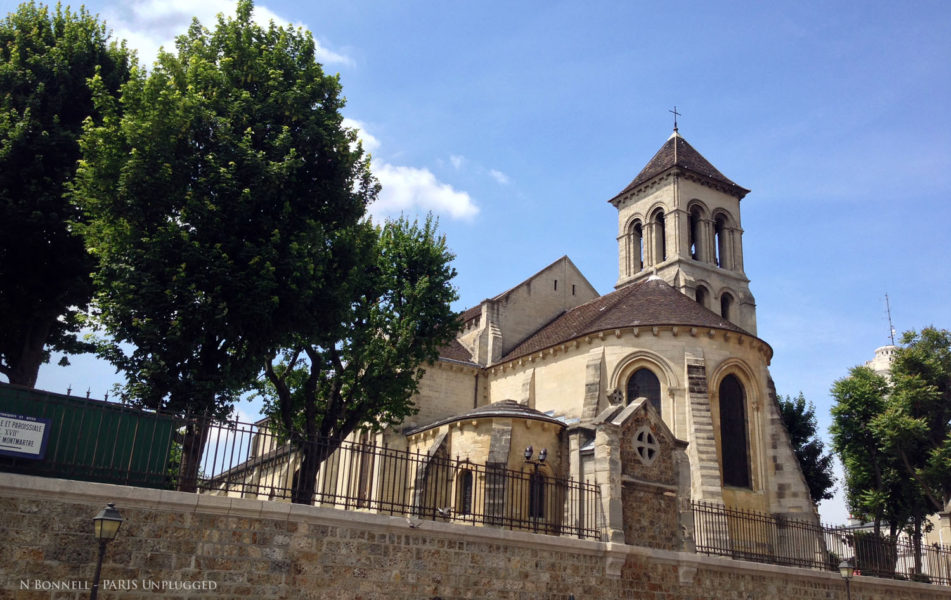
x=676, y=114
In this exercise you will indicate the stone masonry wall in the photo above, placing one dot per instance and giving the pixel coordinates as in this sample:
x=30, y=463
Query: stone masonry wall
x=651, y=519
x=178, y=545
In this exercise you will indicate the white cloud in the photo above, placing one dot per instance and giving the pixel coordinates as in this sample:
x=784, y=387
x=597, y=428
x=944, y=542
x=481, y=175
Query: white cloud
x=407, y=188
x=150, y=24
x=499, y=176
x=370, y=143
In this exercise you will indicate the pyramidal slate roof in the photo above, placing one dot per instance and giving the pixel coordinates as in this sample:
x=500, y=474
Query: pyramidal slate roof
x=645, y=303
x=676, y=152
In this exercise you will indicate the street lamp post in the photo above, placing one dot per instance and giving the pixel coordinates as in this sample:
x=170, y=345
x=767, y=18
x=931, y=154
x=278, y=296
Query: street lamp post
x=106, y=525
x=847, y=569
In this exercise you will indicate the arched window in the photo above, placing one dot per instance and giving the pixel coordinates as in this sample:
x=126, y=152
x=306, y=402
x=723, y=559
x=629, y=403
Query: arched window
x=733, y=437
x=464, y=492
x=635, y=250
x=660, y=238
x=644, y=383
x=702, y=295
x=726, y=306
x=722, y=245
x=693, y=230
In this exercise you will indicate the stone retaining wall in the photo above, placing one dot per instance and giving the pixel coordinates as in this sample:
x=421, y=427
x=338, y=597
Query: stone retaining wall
x=178, y=545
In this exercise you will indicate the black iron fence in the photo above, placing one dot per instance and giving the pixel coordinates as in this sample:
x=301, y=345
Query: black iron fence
x=107, y=442
x=762, y=537
x=251, y=461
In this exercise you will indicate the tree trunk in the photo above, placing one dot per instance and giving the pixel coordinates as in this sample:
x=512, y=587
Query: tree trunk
x=193, y=448
x=313, y=454
x=25, y=367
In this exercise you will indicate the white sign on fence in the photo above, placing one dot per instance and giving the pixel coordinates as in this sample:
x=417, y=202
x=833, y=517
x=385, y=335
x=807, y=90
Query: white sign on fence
x=22, y=436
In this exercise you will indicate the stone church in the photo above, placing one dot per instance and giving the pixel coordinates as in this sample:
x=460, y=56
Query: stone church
x=551, y=364
x=657, y=394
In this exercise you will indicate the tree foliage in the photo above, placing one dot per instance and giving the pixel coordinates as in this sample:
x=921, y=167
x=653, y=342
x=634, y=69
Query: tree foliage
x=365, y=372
x=916, y=422
x=46, y=58
x=875, y=486
x=800, y=420
x=221, y=201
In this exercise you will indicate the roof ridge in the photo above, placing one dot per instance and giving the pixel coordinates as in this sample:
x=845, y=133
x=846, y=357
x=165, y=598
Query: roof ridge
x=648, y=303
x=530, y=277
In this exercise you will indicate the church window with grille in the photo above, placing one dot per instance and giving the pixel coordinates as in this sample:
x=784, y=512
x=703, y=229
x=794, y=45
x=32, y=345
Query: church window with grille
x=734, y=445
x=644, y=383
x=464, y=500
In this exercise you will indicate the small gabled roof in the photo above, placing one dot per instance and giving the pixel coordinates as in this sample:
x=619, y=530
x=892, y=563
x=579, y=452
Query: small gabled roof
x=676, y=152
x=645, y=303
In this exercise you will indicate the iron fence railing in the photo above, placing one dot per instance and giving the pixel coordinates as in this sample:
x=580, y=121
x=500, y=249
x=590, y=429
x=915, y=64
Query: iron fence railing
x=251, y=461
x=108, y=442
x=774, y=539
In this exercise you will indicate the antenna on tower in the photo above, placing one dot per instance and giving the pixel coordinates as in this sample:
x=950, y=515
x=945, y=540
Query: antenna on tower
x=891, y=328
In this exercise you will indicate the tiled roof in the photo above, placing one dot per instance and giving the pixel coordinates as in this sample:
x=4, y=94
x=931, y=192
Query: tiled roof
x=455, y=351
x=676, y=152
x=503, y=408
x=645, y=303
x=471, y=313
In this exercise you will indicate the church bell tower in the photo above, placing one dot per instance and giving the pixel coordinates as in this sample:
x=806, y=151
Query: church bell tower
x=679, y=219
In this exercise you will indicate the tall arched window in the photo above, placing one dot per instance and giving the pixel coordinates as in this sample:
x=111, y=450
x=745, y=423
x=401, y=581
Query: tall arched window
x=702, y=295
x=722, y=245
x=693, y=230
x=644, y=383
x=726, y=306
x=635, y=250
x=733, y=436
x=660, y=237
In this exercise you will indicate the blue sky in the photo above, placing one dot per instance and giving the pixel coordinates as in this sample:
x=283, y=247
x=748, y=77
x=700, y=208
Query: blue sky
x=516, y=122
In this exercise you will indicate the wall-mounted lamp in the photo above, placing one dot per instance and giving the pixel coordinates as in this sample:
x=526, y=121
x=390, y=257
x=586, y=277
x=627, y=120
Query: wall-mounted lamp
x=529, y=452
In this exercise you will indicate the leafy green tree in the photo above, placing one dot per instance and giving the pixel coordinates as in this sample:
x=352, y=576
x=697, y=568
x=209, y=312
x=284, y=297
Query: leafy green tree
x=916, y=423
x=220, y=202
x=364, y=373
x=876, y=488
x=800, y=420
x=46, y=58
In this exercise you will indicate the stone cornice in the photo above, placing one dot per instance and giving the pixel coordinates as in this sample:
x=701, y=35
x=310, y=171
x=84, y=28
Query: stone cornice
x=648, y=330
